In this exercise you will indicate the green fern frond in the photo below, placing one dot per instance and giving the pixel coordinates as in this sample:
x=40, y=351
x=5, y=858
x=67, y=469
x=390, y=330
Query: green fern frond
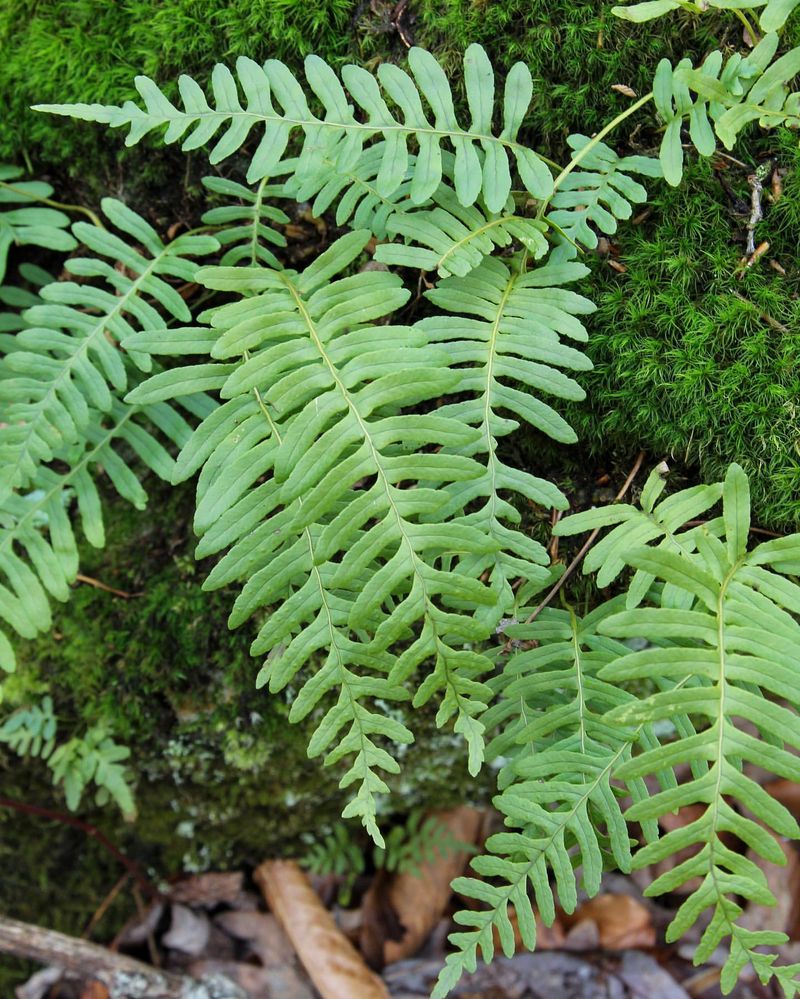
x=95, y=758
x=483, y=157
x=253, y=232
x=28, y=223
x=772, y=17
x=599, y=194
x=503, y=328
x=738, y=644
x=344, y=536
x=560, y=754
x=69, y=363
x=38, y=549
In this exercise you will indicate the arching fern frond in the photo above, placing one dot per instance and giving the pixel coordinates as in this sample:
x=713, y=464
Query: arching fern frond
x=484, y=157
x=556, y=792
x=330, y=495
x=599, y=194
x=739, y=645
x=502, y=329
x=252, y=233
x=27, y=223
x=69, y=362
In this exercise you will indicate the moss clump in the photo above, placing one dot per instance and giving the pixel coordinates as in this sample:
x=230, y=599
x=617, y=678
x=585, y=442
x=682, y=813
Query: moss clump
x=696, y=357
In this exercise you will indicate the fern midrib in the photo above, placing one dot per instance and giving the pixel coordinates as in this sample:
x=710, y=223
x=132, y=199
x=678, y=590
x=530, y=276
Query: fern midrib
x=257, y=204
x=99, y=329
x=474, y=234
x=579, y=691
x=402, y=524
x=352, y=126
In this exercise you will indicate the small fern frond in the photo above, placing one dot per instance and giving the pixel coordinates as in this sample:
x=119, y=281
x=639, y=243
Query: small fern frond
x=772, y=17
x=556, y=792
x=503, y=329
x=28, y=223
x=599, y=194
x=452, y=239
x=67, y=363
x=330, y=501
x=483, y=157
x=32, y=731
x=252, y=233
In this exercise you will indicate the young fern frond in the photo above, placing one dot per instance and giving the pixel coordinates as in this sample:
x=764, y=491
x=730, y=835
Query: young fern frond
x=503, y=328
x=598, y=194
x=27, y=223
x=738, y=645
x=483, y=157
x=556, y=793
x=66, y=363
x=250, y=240
x=345, y=534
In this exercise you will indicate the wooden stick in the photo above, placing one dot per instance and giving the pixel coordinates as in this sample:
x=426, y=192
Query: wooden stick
x=123, y=976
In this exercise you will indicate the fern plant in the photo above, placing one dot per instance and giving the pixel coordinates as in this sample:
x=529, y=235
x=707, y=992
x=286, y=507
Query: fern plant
x=354, y=484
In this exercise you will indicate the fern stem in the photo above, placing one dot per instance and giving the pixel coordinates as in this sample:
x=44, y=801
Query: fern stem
x=748, y=27
x=594, y=141
x=54, y=204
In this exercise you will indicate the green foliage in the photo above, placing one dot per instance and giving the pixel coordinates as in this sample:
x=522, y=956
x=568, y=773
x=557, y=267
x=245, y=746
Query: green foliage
x=94, y=758
x=350, y=471
x=30, y=225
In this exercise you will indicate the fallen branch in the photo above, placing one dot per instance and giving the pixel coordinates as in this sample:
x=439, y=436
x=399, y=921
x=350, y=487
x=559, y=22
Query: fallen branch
x=125, y=977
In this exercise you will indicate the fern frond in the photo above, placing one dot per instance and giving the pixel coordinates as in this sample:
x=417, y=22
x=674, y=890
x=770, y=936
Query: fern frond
x=330, y=499
x=69, y=363
x=737, y=645
x=38, y=548
x=503, y=328
x=556, y=792
x=599, y=194
x=28, y=223
x=483, y=157
x=772, y=17
x=253, y=232
x=728, y=97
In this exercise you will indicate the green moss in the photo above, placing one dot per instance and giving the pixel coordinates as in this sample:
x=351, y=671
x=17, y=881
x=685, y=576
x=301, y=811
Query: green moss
x=695, y=357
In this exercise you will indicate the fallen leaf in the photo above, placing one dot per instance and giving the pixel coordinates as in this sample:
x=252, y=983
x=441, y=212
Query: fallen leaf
x=188, y=931
x=333, y=964
x=624, y=89
x=787, y=792
x=262, y=932
x=208, y=890
x=621, y=921
x=418, y=900
x=784, y=883
x=94, y=990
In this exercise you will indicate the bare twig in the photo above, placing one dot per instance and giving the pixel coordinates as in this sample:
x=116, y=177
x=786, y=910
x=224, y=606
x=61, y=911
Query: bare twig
x=69, y=820
x=768, y=319
x=756, y=213
x=91, y=581
x=102, y=909
x=586, y=545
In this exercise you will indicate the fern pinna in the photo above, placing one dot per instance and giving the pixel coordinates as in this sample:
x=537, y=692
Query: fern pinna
x=353, y=479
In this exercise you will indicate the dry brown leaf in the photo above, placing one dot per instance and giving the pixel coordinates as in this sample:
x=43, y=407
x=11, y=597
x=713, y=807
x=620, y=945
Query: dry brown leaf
x=624, y=89
x=333, y=964
x=208, y=889
x=787, y=792
x=621, y=921
x=262, y=932
x=419, y=900
x=547, y=937
x=94, y=990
